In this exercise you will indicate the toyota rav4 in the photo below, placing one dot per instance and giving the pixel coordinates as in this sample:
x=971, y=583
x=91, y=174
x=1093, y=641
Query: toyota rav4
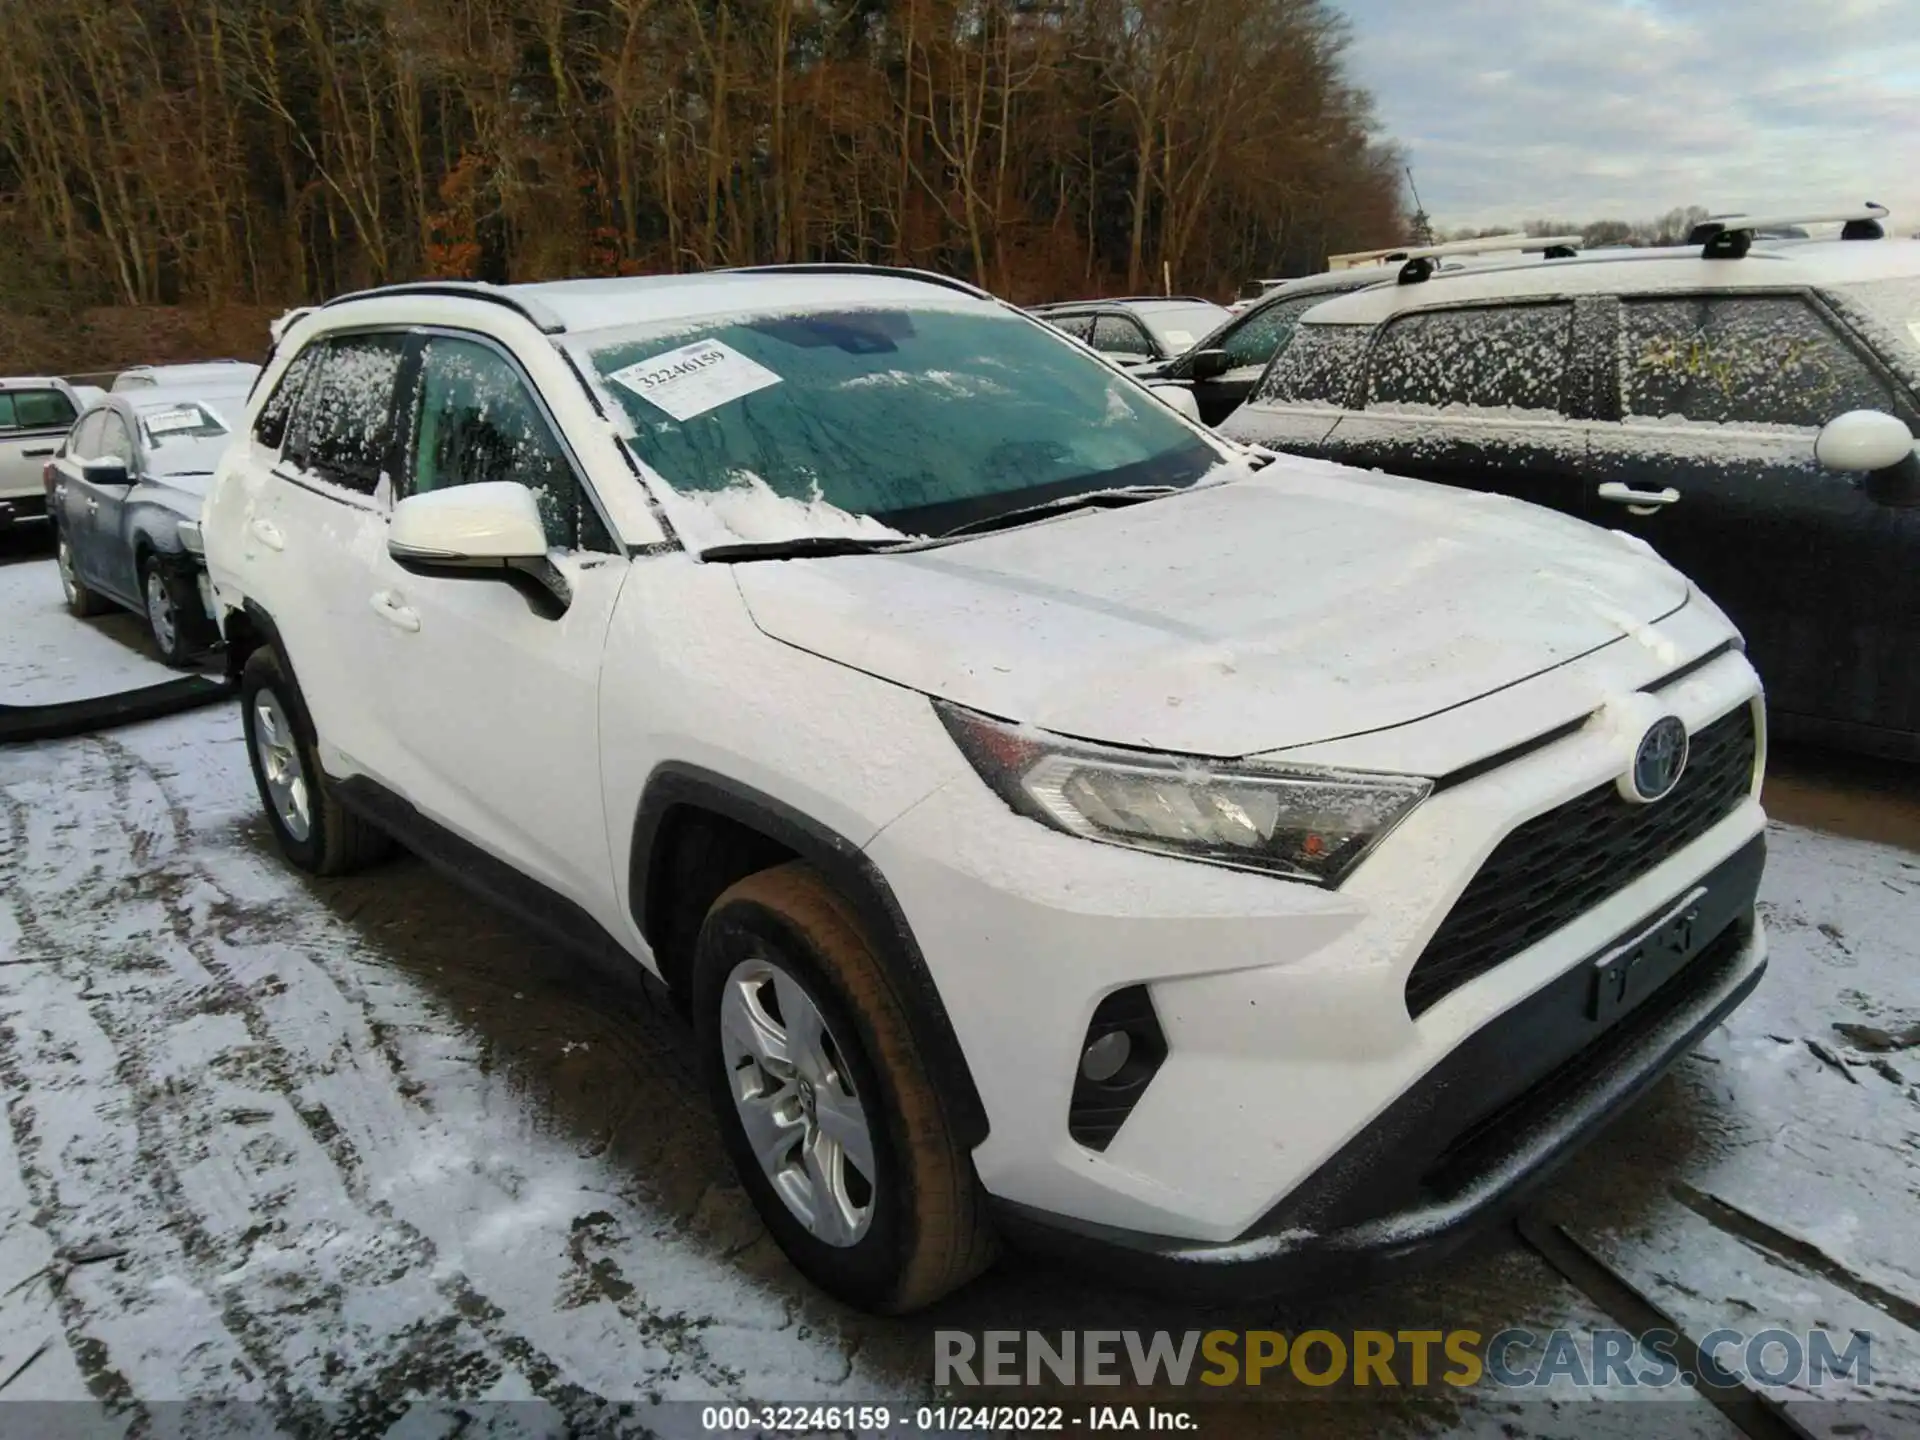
x=1061, y=824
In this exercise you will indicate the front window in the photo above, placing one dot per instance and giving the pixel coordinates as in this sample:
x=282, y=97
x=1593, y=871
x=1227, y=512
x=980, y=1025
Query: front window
x=1317, y=367
x=879, y=421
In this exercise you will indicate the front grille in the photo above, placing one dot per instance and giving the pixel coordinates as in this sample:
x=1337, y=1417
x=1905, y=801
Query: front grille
x=1561, y=864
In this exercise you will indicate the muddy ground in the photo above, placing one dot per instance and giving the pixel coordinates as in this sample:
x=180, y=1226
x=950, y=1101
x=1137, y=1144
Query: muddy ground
x=326, y=1147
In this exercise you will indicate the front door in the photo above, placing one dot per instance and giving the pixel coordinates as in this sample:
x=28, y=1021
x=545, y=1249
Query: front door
x=1712, y=463
x=1484, y=397
x=491, y=700
x=1249, y=344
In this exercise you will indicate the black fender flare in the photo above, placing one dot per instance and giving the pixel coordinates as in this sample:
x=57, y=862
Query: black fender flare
x=848, y=869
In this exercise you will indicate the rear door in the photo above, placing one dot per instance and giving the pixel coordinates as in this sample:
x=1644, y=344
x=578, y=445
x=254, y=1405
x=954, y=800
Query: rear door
x=1721, y=397
x=1486, y=397
x=316, y=528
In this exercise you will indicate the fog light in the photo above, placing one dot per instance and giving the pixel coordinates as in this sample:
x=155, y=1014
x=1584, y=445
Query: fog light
x=1119, y=1055
x=1105, y=1056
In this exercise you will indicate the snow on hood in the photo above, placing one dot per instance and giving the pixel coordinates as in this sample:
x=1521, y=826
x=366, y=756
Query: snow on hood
x=750, y=511
x=1307, y=603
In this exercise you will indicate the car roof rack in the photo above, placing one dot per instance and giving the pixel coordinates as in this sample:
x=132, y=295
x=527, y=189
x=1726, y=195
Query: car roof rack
x=1729, y=237
x=1420, y=262
x=545, y=319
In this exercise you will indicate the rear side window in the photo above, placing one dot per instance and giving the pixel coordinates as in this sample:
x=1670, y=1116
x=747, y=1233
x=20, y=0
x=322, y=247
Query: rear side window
x=1265, y=331
x=1318, y=366
x=1080, y=327
x=35, y=410
x=1741, y=360
x=1494, y=358
x=345, y=422
x=270, y=429
x=478, y=421
x=1117, y=335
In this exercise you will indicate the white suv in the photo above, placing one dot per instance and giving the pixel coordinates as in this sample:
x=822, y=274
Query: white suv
x=1061, y=823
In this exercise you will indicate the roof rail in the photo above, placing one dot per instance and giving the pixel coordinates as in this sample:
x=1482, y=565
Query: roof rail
x=1729, y=237
x=1119, y=300
x=838, y=267
x=545, y=319
x=1420, y=261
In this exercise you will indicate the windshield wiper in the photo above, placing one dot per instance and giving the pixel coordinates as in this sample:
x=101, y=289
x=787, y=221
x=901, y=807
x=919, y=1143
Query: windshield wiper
x=801, y=547
x=1094, y=499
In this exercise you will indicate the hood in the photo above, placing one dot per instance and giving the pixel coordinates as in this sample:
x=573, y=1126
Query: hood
x=1305, y=603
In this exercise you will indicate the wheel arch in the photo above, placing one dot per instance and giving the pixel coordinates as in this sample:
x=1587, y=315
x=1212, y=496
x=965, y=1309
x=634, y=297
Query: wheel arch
x=686, y=805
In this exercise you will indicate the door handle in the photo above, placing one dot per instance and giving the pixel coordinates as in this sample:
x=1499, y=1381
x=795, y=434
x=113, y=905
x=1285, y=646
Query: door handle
x=268, y=534
x=1643, y=501
x=37, y=454
x=390, y=608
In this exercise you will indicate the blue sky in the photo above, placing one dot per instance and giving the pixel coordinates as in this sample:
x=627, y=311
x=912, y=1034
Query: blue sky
x=1512, y=110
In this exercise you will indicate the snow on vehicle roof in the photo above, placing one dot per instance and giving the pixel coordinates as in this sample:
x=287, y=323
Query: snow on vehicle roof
x=33, y=382
x=1812, y=263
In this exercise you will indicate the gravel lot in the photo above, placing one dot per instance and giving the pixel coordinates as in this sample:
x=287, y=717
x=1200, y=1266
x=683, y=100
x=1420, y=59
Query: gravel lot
x=329, y=1146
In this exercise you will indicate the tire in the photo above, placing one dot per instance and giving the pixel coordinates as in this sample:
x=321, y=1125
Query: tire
x=316, y=833
x=925, y=1231
x=80, y=600
x=173, y=613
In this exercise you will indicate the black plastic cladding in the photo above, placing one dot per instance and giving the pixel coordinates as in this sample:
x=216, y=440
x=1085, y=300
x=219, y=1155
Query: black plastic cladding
x=1563, y=863
x=1100, y=1107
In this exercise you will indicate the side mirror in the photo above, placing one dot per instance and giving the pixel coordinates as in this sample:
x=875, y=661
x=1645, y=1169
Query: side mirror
x=1180, y=398
x=1206, y=364
x=1877, y=446
x=1863, y=440
x=486, y=531
x=107, y=470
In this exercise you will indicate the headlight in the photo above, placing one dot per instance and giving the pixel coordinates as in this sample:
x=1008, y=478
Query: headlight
x=190, y=537
x=1305, y=824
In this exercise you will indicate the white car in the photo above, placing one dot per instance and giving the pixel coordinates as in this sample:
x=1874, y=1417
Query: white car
x=1060, y=823
x=35, y=415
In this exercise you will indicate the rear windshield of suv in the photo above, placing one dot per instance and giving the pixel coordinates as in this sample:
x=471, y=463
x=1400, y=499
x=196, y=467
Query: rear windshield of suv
x=920, y=419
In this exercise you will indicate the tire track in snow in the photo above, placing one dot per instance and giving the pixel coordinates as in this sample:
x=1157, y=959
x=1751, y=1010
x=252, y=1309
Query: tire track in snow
x=161, y=835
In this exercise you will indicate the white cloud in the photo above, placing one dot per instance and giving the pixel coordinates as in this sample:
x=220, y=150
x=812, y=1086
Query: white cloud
x=1512, y=110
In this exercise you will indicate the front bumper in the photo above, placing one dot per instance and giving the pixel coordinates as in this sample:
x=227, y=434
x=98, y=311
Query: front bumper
x=1283, y=1006
x=1484, y=1126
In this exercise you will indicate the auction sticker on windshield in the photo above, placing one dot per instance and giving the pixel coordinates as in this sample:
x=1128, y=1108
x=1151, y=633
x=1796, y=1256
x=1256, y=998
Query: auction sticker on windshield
x=695, y=378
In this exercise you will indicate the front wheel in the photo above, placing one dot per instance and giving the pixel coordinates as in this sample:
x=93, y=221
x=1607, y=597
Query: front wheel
x=839, y=1135
x=172, y=604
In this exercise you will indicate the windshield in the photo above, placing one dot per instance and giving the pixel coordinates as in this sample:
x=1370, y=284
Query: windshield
x=181, y=439
x=873, y=422
x=1180, y=328
x=1889, y=311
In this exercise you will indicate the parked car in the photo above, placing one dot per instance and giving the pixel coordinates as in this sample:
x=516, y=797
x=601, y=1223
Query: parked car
x=1749, y=412
x=214, y=374
x=125, y=491
x=1059, y=823
x=35, y=412
x=1139, y=330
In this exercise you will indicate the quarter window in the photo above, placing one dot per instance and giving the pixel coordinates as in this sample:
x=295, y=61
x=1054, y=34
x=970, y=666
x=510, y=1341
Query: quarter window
x=345, y=422
x=1318, y=366
x=1117, y=335
x=478, y=421
x=1493, y=358
x=1741, y=360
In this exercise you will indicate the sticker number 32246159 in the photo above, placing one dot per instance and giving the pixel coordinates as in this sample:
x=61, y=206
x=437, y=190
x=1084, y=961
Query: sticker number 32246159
x=695, y=378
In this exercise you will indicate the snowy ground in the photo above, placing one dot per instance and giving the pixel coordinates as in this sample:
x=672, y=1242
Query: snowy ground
x=345, y=1143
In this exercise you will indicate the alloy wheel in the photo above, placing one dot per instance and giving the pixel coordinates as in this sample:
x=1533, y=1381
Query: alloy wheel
x=160, y=616
x=68, y=583
x=279, y=756
x=796, y=1100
